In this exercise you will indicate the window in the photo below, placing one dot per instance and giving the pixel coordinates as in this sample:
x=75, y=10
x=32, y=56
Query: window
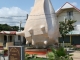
x=69, y=14
x=19, y=37
x=24, y=41
x=10, y=38
x=5, y=37
x=5, y=40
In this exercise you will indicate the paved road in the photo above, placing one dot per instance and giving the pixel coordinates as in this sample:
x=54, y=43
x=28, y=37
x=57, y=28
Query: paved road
x=76, y=55
x=1, y=58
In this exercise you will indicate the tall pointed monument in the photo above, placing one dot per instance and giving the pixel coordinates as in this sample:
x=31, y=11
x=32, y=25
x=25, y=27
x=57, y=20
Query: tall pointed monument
x=41, y=28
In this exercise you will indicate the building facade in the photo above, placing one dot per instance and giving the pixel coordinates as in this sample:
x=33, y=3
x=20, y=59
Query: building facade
x=10, y=36
x=68, y=11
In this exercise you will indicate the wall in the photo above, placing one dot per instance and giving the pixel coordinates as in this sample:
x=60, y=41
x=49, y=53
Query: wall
x=75, y=40
x=1, y=38
x=17, y=40
x=76, y=16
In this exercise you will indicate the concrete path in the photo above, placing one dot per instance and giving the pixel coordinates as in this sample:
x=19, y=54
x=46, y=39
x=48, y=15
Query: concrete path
x=76, y=55
x=1, y=58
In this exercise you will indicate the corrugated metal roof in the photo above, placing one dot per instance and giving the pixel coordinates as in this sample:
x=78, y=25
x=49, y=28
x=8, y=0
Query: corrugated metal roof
x=8, y=32
x=74, y=32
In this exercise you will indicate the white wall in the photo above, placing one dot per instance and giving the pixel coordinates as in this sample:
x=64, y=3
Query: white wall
x=16, y=38
x=76, y=16
x=61, y=16
x=1, y=38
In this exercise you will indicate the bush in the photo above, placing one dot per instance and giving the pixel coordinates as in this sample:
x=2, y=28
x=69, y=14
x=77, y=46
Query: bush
x=26, y=56
x=55, y=54
x=59, y=54
x=51, y=55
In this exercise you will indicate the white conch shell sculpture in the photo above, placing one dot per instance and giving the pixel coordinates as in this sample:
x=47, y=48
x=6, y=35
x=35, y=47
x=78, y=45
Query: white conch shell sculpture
x=41, y=28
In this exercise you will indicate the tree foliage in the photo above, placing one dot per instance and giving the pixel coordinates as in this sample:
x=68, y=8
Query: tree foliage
x=59, y=54
x=66, y=27
x=6, y=27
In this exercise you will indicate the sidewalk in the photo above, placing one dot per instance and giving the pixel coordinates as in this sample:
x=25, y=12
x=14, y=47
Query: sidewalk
x=76, y=55
x=1, y=58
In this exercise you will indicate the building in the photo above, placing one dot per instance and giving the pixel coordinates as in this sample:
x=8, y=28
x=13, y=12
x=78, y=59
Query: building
x=10, y=36
x=68, y=11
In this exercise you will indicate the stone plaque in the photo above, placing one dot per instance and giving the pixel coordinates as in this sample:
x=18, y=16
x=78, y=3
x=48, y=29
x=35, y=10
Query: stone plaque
x=16, y=53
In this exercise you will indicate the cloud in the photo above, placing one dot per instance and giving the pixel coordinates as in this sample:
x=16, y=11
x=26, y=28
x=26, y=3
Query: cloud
x=74, y=3
x=12, y=16
x=31, y=7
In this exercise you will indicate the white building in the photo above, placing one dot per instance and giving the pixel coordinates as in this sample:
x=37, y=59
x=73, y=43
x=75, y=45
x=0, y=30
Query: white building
x=10, y=36
x=68, y=11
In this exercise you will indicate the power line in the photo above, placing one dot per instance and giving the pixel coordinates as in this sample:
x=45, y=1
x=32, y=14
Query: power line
x=42, y=18
x=42, y=14
x=26, y=16
x=12, y=22
x=35, y=19
x=11, y=17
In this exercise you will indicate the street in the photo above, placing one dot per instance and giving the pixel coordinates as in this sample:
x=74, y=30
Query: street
x=1, y=58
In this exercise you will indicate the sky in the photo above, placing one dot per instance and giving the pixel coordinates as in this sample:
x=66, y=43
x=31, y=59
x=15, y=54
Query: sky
x=14, y=11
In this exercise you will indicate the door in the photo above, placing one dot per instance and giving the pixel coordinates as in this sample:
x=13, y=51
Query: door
x=10, y=37
x=5, y=40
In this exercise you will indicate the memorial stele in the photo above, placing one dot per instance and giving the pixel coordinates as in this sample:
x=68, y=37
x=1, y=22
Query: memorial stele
x=42, y=27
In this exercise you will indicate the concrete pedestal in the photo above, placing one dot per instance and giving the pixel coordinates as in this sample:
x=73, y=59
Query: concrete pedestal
x=38, y=52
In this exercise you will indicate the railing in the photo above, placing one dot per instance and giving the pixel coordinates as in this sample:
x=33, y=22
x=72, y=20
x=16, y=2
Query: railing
x=65, y=44
x=17, y=43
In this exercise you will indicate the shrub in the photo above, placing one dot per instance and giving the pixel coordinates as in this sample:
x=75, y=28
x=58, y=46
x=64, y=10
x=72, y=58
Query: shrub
x=51, y=55
x=59, y=54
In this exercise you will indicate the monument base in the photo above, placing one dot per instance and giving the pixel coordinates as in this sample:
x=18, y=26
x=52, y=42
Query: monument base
x=37, y=51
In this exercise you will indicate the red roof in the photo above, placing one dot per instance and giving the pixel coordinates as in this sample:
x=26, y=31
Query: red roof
x=12, y=32
x=8, y=32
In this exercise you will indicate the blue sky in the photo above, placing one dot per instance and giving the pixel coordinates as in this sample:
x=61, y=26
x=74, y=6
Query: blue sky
x=22, y=7
x=27, y=4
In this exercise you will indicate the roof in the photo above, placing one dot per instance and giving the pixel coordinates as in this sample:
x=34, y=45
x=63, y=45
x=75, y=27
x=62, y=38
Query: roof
x=8, y=32
x=74, y=32
x=66, y=6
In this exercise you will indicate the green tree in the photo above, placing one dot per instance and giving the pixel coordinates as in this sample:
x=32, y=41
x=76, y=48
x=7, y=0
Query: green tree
x=14, y=28
x=65, y=27
x=6, y=27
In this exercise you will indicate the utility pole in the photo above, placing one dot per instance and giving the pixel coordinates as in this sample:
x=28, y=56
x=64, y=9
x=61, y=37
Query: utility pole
x=27, y=17
x=20, y=30
x=20, y=22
